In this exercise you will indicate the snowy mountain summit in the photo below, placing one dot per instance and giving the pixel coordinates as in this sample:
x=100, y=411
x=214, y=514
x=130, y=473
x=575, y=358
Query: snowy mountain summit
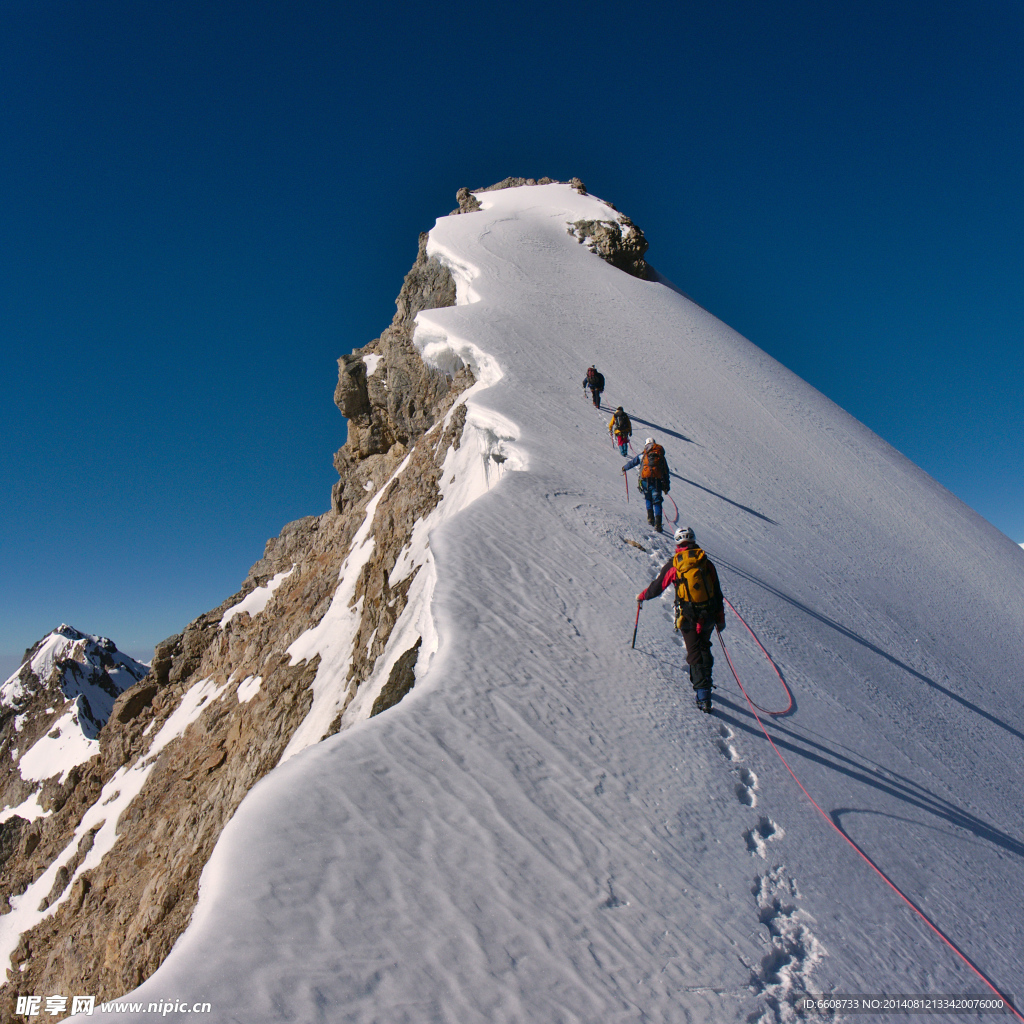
x=79, y=676
x=51, y=713
x=469, y=798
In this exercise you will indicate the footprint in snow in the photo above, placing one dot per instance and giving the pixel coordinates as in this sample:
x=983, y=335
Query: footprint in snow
x=758, y=837
x=725, y=748
x=745, y=788
x=783, y=976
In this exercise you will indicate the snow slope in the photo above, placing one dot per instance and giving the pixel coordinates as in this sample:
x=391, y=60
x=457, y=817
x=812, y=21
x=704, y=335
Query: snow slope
x=545, y=829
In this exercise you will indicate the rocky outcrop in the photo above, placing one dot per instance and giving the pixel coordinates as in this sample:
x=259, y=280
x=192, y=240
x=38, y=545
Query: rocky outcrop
x=468, y=203
x=618, y=242
x=387, y=393
x=400, y=681
x=114, y=879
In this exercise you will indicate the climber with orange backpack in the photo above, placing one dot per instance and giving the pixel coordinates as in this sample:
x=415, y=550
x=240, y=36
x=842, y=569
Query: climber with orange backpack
x=699, y=608
x=653, y=480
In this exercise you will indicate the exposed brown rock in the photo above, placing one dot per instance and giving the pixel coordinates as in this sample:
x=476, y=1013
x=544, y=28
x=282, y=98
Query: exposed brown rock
x=619, y=242
x=132, y=701
x=468, y=203
x=400, y=681
x=403, y=398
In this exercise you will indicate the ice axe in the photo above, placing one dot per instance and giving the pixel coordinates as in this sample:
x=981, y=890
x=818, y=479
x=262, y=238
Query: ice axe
x=636, y=625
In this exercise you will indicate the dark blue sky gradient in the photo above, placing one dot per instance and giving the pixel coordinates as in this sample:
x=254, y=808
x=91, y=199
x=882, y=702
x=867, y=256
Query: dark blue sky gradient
x=203, y=204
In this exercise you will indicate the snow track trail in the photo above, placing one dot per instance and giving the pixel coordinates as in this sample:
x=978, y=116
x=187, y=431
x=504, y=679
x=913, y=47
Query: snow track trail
x=545, y=830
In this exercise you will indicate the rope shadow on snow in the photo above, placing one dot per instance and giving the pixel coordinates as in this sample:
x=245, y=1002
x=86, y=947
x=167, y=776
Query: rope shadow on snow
x=664, y=430
x=857, y=638
x=745, y=508
x=838, y=814
x=891, y=783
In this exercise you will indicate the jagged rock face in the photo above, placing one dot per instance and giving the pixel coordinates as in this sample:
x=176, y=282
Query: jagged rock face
x=385, y=390
x=223, y=699
x=619, y=242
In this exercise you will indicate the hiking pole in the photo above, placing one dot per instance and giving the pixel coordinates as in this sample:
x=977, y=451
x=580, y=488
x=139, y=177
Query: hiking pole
x=625, y=476
x=636, y=625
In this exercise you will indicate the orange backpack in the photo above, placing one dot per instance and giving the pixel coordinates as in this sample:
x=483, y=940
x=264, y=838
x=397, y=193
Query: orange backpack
x=652, y=466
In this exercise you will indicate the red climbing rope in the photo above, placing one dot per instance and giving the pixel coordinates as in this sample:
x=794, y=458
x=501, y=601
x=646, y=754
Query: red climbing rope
x=775, y=668
x=675, y=522
x=874, y=867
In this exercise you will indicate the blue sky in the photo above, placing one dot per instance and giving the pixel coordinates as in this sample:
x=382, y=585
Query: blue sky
x=203, y=204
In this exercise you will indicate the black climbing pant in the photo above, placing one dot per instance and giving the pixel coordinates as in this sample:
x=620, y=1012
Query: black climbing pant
x=698, y=653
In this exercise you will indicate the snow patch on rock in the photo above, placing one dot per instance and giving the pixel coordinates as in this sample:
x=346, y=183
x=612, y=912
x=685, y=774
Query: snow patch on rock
x=256, y=600
x=56, y=753
x=333, y=636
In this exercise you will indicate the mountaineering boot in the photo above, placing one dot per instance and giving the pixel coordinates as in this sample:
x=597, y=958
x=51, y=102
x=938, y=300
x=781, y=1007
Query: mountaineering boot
x=703, y=698
x=650, y=517
x=657, y=523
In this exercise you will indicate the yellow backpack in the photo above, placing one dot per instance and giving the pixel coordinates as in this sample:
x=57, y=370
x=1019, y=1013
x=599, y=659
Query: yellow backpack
x=695, y=588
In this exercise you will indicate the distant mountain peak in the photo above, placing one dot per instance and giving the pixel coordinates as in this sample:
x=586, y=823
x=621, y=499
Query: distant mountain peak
x=53, y=707
x=73, y=664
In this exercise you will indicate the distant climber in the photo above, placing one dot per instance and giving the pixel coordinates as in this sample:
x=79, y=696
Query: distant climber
x=699, y=608
x=621, y=429
x=595, y=381
x=654, y=478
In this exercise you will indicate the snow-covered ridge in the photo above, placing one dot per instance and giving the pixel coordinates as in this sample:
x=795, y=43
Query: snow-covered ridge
x=487, y=450
x=544, y=830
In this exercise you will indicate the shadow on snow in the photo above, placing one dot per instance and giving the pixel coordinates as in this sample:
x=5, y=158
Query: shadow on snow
x=878, y=778
x=857, y=638
x=745, y=508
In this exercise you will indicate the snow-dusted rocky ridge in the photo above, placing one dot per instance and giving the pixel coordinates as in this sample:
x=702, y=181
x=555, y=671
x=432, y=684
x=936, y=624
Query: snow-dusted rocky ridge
x=544, y=829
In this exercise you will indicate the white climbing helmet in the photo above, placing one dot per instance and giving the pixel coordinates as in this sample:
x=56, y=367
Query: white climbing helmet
x=684, y=535
x=649, y=440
